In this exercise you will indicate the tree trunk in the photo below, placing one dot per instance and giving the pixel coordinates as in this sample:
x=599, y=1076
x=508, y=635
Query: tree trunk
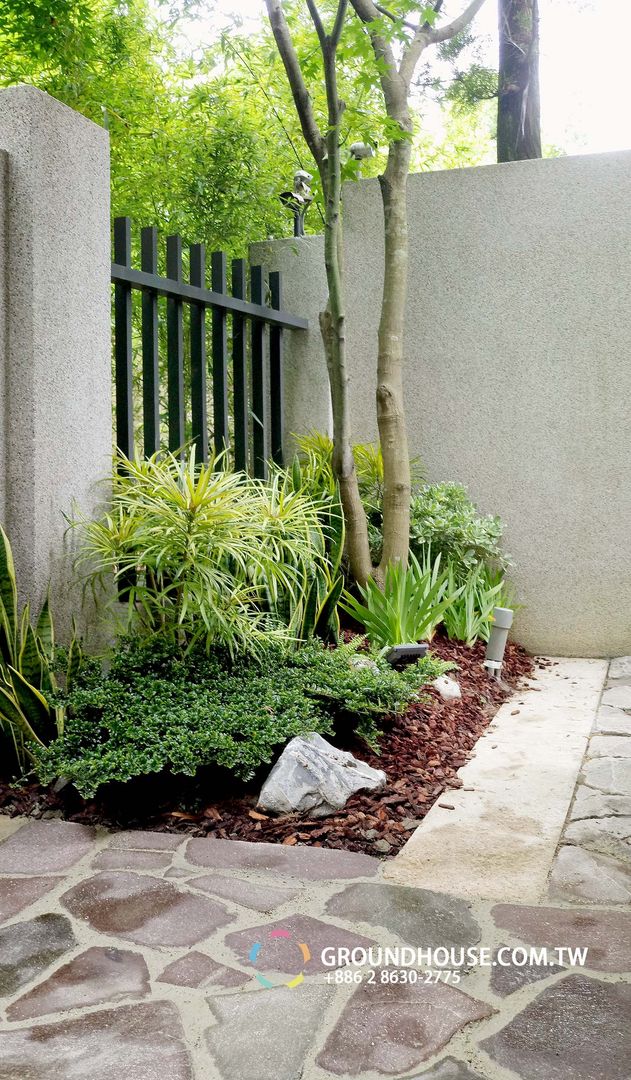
x=332, y=325
x=390, y=411
x=518, y=110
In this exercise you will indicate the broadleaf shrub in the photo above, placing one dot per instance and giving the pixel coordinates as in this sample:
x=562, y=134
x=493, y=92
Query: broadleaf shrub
x=157, y=709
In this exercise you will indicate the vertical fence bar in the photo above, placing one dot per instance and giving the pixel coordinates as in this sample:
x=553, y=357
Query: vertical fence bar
x=239, y=371
x=150, y=353
x=175, y=349
x=276, y=385
x=259, y=403
x=199, y=408
x=123, y=352
x=220, y=356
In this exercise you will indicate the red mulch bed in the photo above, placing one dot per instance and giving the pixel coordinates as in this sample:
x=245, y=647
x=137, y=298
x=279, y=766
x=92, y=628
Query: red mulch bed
x=421, y=752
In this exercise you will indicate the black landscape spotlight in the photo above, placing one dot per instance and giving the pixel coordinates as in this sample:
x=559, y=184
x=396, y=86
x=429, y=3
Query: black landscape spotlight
x=299, y=200
x=400, y=655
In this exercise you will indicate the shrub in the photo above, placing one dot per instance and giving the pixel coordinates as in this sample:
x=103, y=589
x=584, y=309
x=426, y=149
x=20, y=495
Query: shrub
x=157, y=710
x=208, y=555
x=410, y=607
x=443, y=518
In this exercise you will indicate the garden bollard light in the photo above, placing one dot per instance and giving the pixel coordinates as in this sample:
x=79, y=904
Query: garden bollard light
x=502, y=620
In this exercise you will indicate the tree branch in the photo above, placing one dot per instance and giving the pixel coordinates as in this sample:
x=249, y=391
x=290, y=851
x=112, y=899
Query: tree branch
x=300, y=94
x=449, y=30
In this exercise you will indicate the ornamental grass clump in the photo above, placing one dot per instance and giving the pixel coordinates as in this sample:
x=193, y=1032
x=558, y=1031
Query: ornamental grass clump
x=202, y=554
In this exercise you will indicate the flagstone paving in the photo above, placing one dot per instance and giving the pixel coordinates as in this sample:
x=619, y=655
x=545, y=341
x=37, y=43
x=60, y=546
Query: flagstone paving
x=143, y=955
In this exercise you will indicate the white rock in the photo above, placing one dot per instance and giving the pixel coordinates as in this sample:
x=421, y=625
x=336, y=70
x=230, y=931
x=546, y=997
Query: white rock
x=620, y=668
x=313, y=777
x=360, y=662
x=448, y=689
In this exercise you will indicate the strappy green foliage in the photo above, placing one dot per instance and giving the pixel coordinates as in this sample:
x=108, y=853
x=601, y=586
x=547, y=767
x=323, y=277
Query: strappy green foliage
x=27, y=658
x=410, y=607
x=207, y=555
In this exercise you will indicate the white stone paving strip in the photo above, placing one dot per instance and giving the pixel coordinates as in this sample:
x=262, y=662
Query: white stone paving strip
x=499, y=840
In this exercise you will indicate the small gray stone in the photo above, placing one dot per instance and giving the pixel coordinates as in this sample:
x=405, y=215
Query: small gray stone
x=594, y=804
x=609, y=746
x=611, y=775
x=585, y=876
x=608, y=836
x=365, y=663
x=313, y=777
x=448, y=689
x=619, y=697
x=620, y=668
x=612, y=721
x=383, y=846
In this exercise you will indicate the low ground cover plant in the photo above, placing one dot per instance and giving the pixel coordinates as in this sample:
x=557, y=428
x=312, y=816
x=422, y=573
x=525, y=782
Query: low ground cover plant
x=157, y=709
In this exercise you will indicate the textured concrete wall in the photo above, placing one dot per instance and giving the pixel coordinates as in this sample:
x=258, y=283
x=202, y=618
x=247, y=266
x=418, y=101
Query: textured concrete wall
x=517, y=376
x=307, y=398
x=4, y=254
x=57, y=366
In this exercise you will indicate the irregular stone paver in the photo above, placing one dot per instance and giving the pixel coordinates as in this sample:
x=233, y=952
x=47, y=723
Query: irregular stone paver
x=607, y=835
x=17, y=893
x=249, y=894
x=280, y=944
x=610, y=775
x=138, y=1042
x=265, y=1035
x=418, y=916
x=392, y=1028
x=620, y=668
x=612, y=721
x=609, y=746
x=28, y=948
x=449, y=1069
x=591, y=803
x=196, y=969
x=311, y=864
x=618, y=697
x=578, y=1029
x=606, y=934
x=45, y=847
x=98, y=976
x=146, y=840
x=145, y=909
x=131, y=860
x=507, y=977
x=586, y=876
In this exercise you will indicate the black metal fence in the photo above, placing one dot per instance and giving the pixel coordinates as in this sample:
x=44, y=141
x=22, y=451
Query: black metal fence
x=246, y=347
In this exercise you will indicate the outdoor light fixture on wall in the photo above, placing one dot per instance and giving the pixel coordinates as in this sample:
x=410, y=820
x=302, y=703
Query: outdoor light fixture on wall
x=299, y=200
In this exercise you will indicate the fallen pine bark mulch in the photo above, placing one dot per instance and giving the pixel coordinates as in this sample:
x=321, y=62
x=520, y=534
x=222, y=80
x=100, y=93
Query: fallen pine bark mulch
x=421, y=752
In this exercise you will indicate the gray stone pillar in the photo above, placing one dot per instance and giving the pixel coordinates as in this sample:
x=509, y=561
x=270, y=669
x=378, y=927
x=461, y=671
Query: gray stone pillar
x=57, y=369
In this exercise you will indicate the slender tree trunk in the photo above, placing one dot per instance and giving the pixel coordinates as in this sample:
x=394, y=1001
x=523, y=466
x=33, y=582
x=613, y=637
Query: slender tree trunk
x=518, y=110
x=332, y=325
x=390, y=410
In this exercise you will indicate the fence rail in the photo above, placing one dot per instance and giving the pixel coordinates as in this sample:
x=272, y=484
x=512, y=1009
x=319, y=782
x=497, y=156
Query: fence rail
x=246, y=339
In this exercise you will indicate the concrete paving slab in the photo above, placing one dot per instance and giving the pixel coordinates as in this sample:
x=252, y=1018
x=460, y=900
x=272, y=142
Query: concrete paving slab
x=499, y=841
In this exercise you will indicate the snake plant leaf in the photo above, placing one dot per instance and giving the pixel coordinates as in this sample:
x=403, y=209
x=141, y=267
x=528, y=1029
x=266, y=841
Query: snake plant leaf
x=32, y=704
x=30, y=660
x=327, y=623
x=44, y=628
x=11, y=712
x=8, y=592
